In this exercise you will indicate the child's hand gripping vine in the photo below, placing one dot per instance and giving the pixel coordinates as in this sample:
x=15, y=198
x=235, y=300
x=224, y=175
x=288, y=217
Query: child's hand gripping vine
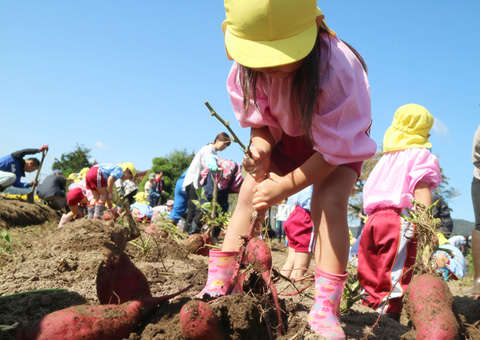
x=425, y=229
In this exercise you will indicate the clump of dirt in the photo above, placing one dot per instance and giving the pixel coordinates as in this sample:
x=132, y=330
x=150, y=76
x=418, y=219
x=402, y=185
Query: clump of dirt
x=18, y=213
x=61, y=266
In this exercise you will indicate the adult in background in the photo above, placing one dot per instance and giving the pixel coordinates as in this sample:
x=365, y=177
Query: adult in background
x=52, y=190
x=180, y=203
x=442, y=211
x=159, y=186
x=150, y=190
x=13, y=167
x=460, y=242
x=192, y=179
x=229, y=180
x=476, y=208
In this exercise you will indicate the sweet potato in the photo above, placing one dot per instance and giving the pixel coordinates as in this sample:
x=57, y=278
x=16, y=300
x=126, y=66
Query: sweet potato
x=155, y=230
x=260, y=257
x=429, y=304
x=199, y=322
x=101, y=322
x=118, y=280
x=197, y=244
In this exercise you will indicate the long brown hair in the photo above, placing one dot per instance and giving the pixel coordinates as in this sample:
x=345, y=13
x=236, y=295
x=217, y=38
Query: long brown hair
x=306, y=83
x=223, y=137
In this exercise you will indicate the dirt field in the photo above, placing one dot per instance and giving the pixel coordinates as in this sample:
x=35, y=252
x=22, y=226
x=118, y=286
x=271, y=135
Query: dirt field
x=64, y=262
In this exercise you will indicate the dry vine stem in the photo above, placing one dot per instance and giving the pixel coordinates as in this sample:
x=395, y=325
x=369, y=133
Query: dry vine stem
x=254, y=221
x=246, y=150
x=425, y=231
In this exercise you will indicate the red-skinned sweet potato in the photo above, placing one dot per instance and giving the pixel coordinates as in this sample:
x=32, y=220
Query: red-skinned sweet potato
x=260, y=257
x=199, y=322
x=197, y=244
x=429, y=304
x=101, y=322
x=119, y=280
x=155, y=230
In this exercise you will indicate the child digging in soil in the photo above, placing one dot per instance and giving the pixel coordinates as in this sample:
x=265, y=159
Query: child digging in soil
x=406, y=171
x=304, y=93
x=77, y=199
x=300, y=234
x=100, y=180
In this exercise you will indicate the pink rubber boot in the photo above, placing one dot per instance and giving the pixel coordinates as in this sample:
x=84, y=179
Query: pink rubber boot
x=221, y=265
x=65, y=219
x=324, y=318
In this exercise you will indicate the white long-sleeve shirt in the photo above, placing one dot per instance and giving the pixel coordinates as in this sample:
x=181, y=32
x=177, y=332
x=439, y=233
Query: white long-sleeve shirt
x=198, y=162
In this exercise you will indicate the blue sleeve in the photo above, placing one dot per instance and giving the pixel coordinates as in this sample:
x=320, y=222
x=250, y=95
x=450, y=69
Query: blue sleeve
x=152, y=192
x=110, y=170
x=116, y=172
x=19, y=184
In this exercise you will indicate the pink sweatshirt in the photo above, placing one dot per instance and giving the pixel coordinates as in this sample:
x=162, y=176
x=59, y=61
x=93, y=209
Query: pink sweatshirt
x=392, y=182
x=342, y=116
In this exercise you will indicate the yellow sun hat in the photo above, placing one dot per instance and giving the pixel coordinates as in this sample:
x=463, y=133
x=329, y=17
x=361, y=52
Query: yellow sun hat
x=128, y=165
x=410, y=129
x=441, y=239
x=141, y=197
x=72, y=176
x=267, y=33
x=83, y=173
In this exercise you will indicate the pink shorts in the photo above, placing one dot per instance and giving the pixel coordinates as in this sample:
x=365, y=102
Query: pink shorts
x=299, y=230
x=291, y=152
x=75, y=196
x=94, y=179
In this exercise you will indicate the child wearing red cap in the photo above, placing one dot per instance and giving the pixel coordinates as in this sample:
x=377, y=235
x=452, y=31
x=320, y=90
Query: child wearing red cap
x=78, y=197
x=304, y=94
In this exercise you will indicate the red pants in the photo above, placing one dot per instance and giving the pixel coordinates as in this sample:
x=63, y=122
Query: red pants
x=94, y=179
x=291, y=152
x=299, y=230
x=384, y=255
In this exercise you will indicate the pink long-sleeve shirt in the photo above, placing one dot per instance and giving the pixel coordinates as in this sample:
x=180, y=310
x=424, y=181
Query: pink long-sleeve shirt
x=342, y=116
x=392, y=182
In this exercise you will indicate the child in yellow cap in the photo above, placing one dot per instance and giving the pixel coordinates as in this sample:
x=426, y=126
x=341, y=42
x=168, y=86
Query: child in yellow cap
x=100, y=179
x=406, y=171
x=304, y=94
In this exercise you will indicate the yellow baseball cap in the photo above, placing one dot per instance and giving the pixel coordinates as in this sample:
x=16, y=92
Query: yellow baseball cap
x=410, y=128
x=128, y=165
x=267, y=33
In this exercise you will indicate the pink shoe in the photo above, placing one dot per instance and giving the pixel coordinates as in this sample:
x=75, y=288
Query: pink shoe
x=65, y=219
x=324, y=318
x=221, y=265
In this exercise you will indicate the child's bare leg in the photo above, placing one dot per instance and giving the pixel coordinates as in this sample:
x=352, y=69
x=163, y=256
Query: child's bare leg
x=240, y=221
x=103, y=194
x=301, y=264
x=96, y=197
x=288, y=266
x=73, y=210
x=329, y=216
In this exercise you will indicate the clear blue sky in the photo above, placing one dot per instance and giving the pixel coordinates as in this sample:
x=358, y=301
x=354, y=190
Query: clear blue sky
x=128, y=79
